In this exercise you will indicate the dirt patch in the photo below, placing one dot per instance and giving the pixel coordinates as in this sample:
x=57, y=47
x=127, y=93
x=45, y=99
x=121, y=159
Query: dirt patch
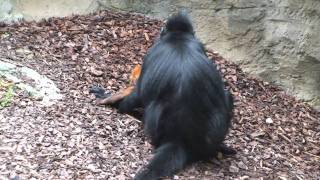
x=275, y=135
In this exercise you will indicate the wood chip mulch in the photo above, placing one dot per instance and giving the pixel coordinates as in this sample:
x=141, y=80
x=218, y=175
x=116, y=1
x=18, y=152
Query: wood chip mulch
x=276, y=136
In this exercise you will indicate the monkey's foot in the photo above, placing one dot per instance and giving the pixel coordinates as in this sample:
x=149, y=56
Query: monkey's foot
x=225, y=150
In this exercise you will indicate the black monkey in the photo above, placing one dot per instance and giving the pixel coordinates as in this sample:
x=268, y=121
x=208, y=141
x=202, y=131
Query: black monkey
x=187, y=112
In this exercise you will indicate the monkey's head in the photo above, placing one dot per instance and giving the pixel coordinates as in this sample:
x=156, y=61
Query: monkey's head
x=179, y=22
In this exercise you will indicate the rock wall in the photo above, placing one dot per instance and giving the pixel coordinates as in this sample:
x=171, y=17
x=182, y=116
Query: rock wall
x=6, y=14
x=12, y=10
x=277, y=40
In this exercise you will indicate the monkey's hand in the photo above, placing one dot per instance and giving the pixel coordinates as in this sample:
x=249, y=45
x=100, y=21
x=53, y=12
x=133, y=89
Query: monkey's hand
x=99, y=92
x=114, y=99
x=104, y=98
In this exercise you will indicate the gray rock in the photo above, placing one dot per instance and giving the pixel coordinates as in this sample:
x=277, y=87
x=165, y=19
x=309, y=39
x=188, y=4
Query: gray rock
x=31, y=81
x=241, y=165
x=233, y=169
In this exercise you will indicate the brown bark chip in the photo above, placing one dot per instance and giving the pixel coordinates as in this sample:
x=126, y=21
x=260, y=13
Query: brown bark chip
x=76, y=139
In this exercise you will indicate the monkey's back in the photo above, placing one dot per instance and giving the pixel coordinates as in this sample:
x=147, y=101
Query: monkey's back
x=182, y=92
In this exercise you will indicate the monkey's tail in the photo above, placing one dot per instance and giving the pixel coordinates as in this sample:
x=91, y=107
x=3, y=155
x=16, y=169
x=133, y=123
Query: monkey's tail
x=169, y=158
x=179, y=22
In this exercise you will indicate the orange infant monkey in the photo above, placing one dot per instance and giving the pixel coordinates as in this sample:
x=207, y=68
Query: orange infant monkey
x=113, y=99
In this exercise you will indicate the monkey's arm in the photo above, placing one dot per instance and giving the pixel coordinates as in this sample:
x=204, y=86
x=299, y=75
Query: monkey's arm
x=115, y=97
x=135, y=73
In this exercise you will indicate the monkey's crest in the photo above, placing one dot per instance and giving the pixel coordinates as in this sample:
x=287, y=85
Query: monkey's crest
x=179, y=22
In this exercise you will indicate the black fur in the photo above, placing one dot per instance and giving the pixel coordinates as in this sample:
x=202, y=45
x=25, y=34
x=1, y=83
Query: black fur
x=187, y=111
